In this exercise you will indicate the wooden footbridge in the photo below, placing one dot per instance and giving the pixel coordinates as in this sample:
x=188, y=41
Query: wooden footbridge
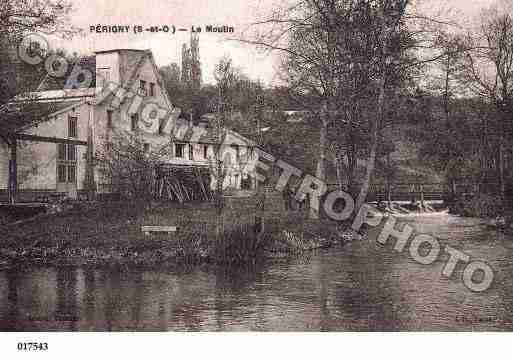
x=428, y=192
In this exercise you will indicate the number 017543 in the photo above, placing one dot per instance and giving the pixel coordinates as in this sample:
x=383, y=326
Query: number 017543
x=32, y=346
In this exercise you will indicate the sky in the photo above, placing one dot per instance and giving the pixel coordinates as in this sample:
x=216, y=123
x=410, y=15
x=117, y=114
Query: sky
x=199, y=13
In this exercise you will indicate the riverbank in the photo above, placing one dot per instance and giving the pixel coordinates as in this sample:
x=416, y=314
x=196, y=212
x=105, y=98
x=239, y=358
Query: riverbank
x=481, y=206
x=493, y=209
x=109, y=234
x=324, y=290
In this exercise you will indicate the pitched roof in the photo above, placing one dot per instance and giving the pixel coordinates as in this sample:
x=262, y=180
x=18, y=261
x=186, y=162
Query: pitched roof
x=132, y=63
x=21, y=115
x=210, y=136
x=56, y=95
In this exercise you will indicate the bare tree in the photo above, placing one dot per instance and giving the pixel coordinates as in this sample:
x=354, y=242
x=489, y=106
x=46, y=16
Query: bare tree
x=342, y=53
x=18, y=18
x=128, y=164
x=487, y=71
x=50, y=16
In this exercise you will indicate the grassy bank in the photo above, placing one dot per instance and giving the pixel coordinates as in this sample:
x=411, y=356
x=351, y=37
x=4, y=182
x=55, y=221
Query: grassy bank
x=103, y=234
x=482, y=206
x=497, y=212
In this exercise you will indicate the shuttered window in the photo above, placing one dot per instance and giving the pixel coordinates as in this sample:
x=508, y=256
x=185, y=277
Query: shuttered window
x=61, y=173
x=72, y=174
x=72, y=153
x=66, y=163
x=61, y=151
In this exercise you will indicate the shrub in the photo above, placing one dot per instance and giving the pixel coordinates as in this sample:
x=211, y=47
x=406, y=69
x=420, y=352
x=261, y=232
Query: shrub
x=479, y=206
x=191, y=247
x=239, y=244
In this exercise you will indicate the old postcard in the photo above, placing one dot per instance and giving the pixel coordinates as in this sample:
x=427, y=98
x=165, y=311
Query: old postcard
x=255, y=166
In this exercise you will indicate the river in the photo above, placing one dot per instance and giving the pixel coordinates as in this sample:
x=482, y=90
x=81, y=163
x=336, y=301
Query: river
x=361, y=286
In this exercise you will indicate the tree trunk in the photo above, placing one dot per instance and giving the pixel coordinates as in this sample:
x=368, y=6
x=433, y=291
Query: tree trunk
x=446, y=95
x=371, y=162
x=352, y=164
x=321, y=164
x=380, y=106
x=501, y=170
x=90, y=180
x=219, y=177
x=219, y=195
x=422, y=204
x=340, y=184
x=484, y=153
x=351, y=154
x=389, y=184
x=13, y=172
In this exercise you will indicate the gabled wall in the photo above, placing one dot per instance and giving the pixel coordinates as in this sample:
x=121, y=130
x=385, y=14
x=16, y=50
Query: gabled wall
x=107, y=62
x=37, y=161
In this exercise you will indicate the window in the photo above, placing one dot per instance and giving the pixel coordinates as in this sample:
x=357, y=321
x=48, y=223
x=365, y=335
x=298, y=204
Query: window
x=61, y=150
x=142, y=87
x=152, y=89
x=66, y=152
x=66, y=163
x=108, y=146
x=179, y=150
x=72, y=127
x=161, y=127
x=61, y=173
x=102, y=76
x=146, y=147
x=205, y=151
x=72, y=174
x=134, y=122
x=72, y=154
x=191, y=151
x=109, y=119
x=237, y=151
x=245, y=182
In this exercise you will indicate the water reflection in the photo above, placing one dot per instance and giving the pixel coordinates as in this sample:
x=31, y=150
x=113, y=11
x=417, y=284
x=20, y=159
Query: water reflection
x=89, y=306
x=363, y=286
x=9, y=322
x=67, y=306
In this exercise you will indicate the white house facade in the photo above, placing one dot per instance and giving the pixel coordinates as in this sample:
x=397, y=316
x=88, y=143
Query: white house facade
x=124, y=95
